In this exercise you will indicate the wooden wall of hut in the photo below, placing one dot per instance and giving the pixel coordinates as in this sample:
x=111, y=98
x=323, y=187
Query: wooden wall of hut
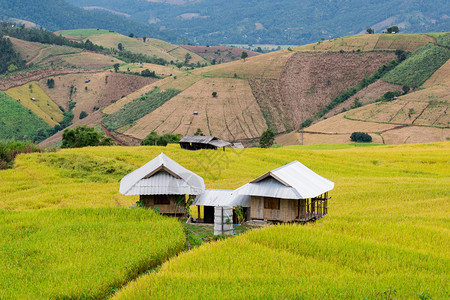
x=288, y=210
x=166, y=204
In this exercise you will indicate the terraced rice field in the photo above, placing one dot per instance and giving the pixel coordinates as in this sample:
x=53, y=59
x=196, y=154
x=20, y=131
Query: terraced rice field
x=42, y=105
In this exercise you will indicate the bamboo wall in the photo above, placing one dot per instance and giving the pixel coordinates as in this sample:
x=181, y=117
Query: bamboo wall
x=172, y=208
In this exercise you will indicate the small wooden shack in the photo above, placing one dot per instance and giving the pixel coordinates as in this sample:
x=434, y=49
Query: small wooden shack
x=291, y=193
x=211, y=198
x=163, y=184
x=197, y=142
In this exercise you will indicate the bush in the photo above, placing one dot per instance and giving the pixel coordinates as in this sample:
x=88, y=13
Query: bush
x=153, y=139
x=10, y=149
x=83, y=136
x=306, y=123
x=267, y=139
x=83, y=115
x=361, y=137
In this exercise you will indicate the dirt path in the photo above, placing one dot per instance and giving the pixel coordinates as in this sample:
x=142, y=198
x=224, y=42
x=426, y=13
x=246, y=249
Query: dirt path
x=39, y=54
x=108, y=134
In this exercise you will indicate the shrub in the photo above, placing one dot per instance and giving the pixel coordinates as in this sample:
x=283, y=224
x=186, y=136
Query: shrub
x=83, y=136
x=10, y=149
x=214, y=94
x=267, y=138
x=153, y=139
x=306, y=123
x=360, y=137
x=83, y=115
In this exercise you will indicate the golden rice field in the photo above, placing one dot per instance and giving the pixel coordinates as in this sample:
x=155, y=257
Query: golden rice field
x=81, y=253
x=386, y=235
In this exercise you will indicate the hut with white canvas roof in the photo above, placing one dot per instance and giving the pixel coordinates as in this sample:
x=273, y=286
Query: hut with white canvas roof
x=291, y=193
x=164, y=184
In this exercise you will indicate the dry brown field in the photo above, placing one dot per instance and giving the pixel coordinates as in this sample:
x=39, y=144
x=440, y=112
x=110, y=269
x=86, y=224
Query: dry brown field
x=27, y=50
x=221, y=54
x=233, y=114
x=370, y=42
x=102, y=90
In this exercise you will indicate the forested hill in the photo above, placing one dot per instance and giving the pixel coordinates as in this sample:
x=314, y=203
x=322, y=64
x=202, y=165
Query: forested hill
x=58, y=14
x=282, y=21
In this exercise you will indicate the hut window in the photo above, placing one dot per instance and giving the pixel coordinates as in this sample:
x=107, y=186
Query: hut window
x=271, y=203
x=162, y=199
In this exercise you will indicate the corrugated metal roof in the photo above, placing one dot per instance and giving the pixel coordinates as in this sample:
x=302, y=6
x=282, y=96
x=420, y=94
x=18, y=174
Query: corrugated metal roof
x=196, y=139
x=237, y=146
x=162, y=175
x=226, y=198
x=292, y=181
x=219, y=143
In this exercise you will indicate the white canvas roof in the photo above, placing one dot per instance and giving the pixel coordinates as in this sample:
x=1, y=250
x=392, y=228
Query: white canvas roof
x=162, y=176
x=225, y=198
x=291, y=181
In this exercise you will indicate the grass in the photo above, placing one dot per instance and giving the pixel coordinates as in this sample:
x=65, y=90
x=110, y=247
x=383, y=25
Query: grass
x=42, y=106
x=419, y=66
x=386, y=233
x=17, y=122
x=81, y=253
x=140, y=107
x=10, y=149
x=84, y=32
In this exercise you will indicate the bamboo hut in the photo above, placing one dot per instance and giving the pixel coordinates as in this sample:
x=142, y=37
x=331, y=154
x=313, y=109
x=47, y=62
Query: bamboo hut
x=291, y=193
x=163, y=184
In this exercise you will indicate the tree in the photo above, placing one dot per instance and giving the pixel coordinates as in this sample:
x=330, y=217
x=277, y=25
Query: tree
x=370, y=31
x=361, y=137
x=83, y=136
x=259, y=49
x=393, y=29
x=214, y=94
x=120, y=46
x=116, y=68
x=83, y=115
x=153, y=139
x=50, y=83
x=187, y=57
x=199, y=132
x=244, y=55
x=144, y=38
x=131, y=35
x=267, y=138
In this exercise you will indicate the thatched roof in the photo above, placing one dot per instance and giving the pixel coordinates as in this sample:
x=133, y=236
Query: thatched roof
x=162, y=176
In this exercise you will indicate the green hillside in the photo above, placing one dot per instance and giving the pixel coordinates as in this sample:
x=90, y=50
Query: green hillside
x=17, y=122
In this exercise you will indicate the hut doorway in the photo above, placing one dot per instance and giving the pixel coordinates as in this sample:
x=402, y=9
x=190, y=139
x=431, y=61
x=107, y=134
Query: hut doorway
x=208, y=214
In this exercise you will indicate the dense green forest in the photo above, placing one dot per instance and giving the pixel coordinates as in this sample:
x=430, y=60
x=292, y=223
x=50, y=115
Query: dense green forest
x=282, y=21
x=58, y=14
x=9, y=59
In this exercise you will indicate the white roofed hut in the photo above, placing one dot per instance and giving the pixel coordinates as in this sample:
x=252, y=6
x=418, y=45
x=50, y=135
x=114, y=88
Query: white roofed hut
x=291, y=193
x=211, y=198
x=197, y=142
x=163, y=184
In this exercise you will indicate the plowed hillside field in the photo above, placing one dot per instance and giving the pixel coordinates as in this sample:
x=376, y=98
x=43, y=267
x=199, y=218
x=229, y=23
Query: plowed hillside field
x=365, y=96
x=88, y=60
x=407, y=42
x=150, y=47
x=27, y=50
x=310, y=80
x=220, y=54
x=102, y=90
x=233, y=114
x=269, y=65
x=418, y=117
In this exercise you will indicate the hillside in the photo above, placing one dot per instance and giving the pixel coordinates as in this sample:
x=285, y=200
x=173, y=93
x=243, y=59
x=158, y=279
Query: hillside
x=219, y=54
x=389, y=211
x=151, y=47
x=282, y=89
x=58, y=14
x=282, y=22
